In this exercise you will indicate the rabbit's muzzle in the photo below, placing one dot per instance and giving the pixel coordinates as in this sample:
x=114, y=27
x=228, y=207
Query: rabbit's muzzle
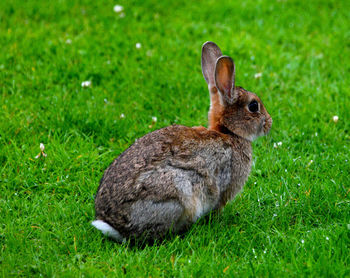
x=267, y=125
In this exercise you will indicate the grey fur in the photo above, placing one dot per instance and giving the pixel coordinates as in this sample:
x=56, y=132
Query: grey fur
x=154, y=217
x=189, y=179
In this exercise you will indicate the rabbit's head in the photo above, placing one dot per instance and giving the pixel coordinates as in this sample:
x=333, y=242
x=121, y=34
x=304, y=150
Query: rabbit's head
x=232, y=109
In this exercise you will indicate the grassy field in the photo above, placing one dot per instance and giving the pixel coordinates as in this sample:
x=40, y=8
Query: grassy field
x=293, y=217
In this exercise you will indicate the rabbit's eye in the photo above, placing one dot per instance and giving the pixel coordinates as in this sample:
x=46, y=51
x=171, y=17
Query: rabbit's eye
x=253, y=106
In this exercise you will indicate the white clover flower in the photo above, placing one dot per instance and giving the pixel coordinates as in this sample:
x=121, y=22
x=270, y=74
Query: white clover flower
x=258, y=75
x=327, y=238
x=154, y=119
x=302, y=241
x=122, y=116
x=118, y=8
x=138, y=45
x=335, y=119
x=85, y=84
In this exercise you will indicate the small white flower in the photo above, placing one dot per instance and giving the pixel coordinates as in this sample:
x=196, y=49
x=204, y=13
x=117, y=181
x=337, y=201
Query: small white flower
x=154, y=119
x=258, y=75
x=105, y=100
x=86, y=83
x=316, y=134
x=42, y=148
x=122, y=116
x=302, y=241
x=276, y=145
x=138, y=45
x=264, y=251
x=118, y=8
x=327, y=238
x=68, y=41
x=274, y=215
x=335, y=119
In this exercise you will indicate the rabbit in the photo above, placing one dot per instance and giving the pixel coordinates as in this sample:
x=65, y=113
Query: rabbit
x=171, y=177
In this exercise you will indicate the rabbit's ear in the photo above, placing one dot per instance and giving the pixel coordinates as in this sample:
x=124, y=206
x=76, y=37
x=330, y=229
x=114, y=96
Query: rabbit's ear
x=210, y=53
x=225, y=79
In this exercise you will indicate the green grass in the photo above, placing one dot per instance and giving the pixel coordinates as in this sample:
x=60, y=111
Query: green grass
x=293, y=217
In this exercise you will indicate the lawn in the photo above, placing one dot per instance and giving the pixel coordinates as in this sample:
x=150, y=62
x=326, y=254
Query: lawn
x=293, y=217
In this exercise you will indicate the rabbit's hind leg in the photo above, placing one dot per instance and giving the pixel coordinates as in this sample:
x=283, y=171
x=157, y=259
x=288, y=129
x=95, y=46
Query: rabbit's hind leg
x=155, y=219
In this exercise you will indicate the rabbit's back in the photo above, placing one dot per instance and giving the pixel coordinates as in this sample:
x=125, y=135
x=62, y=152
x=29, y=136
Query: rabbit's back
x=190, y=170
